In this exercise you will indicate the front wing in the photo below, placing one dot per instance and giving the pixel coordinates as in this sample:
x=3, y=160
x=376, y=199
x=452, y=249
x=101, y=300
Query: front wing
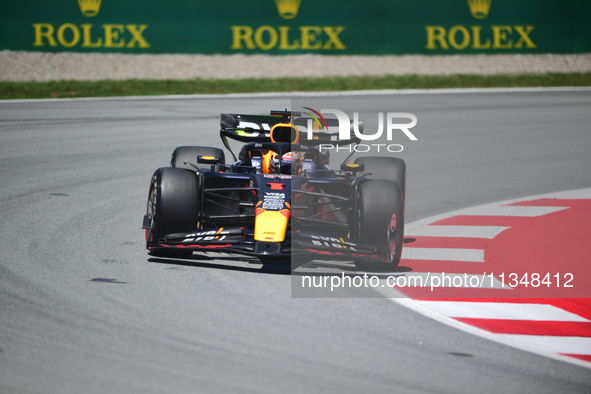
x=241, y=240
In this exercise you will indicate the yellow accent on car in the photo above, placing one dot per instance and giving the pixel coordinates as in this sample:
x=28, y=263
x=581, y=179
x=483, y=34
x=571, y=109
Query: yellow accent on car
x=280, y=129
x=270, y=226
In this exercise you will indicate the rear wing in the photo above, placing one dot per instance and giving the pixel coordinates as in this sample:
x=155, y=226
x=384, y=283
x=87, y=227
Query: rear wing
x=248, y=128
x=257, y=128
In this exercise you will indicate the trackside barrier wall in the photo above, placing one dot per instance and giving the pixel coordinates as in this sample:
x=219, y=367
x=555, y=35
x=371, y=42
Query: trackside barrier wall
x=297, y=26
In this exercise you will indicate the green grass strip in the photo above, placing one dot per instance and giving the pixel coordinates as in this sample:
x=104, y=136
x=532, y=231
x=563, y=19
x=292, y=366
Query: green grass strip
x=136, y=87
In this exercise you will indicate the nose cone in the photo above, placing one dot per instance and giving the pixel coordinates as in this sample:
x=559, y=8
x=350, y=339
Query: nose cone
x=270, y=226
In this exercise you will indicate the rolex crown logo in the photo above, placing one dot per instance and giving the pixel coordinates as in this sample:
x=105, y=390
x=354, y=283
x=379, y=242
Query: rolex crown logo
x=288, y=9
x=479, y=8
x=89, y=7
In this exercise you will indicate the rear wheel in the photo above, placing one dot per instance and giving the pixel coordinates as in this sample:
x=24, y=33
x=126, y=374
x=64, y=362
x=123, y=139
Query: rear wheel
x=190, y=154
x=380, y=221
x=173, y=205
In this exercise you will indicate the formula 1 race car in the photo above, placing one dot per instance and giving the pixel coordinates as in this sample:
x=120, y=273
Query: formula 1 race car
x=279, y=198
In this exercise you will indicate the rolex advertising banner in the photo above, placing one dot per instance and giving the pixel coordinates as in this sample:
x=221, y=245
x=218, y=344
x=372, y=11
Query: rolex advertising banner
x=297, y=26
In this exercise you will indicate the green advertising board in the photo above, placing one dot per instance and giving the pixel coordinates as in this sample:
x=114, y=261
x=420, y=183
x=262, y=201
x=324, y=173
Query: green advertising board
x=297, y=26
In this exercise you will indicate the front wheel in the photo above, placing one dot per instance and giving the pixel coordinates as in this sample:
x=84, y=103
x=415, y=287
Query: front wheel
x=380, y=220
x=173, y=205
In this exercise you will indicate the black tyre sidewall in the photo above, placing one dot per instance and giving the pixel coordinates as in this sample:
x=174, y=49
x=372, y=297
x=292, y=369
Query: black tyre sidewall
x=379, y=206
x=385, y=168
x=174, y=194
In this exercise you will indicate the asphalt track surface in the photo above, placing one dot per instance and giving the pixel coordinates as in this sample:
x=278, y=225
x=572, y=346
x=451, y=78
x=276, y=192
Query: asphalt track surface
x=84, y=308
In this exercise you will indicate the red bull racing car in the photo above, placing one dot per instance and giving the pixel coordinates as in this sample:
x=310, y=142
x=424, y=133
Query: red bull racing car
x=278, y=198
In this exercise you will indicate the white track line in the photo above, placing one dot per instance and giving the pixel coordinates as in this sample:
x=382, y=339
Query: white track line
x=488, y=232
x=472, y=211
x=561, y=345
x=443, y=254
x=502, y=311
x=515, y=210
x=311, y=94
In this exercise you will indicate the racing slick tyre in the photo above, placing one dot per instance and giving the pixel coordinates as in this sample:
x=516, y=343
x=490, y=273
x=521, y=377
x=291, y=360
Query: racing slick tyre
x=173, y=205
x=190, y=154
x=386, y=168
x=380, y=221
